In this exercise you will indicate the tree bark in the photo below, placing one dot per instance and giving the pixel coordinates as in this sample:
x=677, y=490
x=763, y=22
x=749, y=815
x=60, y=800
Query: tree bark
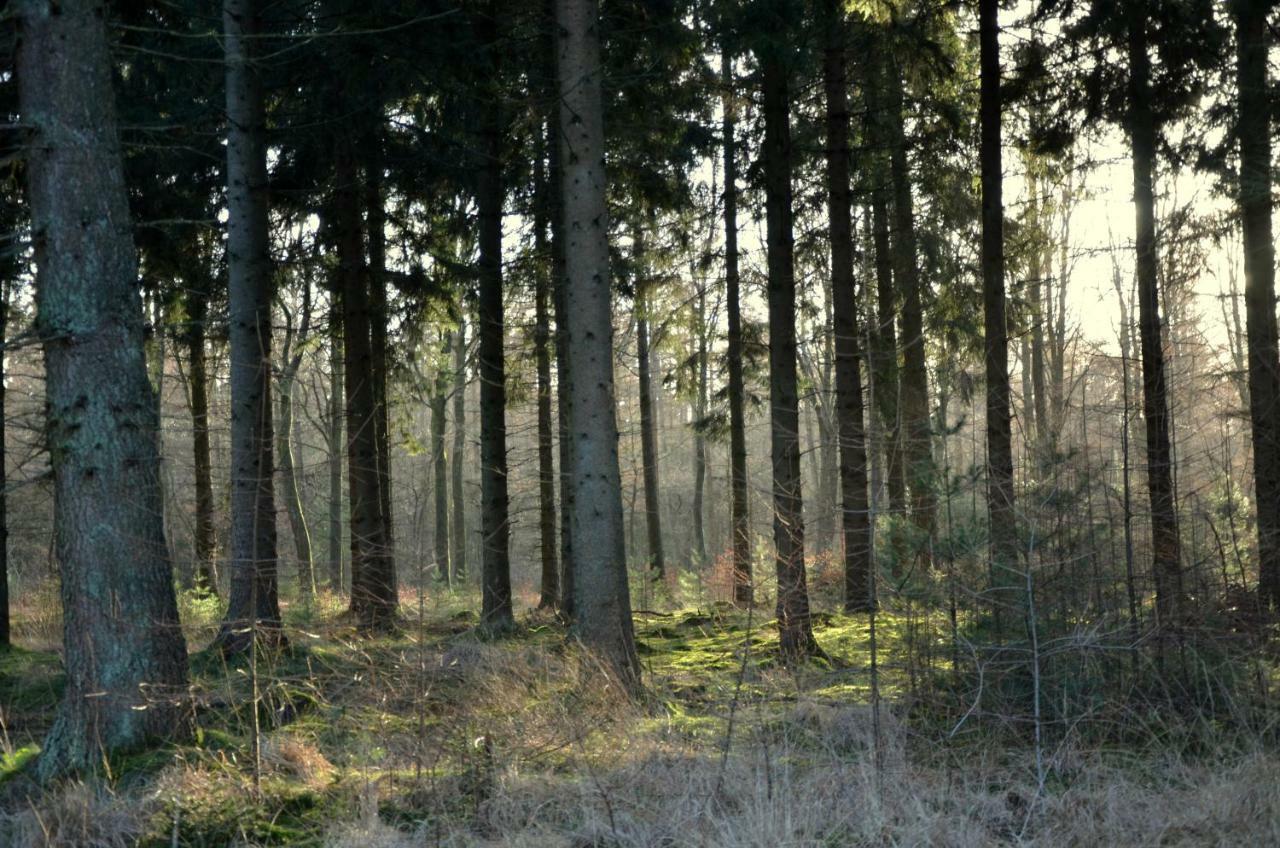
x=439, y=467
x=1164, y=522
x=253, y=604
x=855, y=516
x=379, y=322
x=602, y=602
x=795, y=629
x=124, y=653
x=699, y=441
x=334, y=438
x=292, y=361
x=1000, y=503
x=743, y=590
x=373, y=576
x=1252, y=44
x=6, y=290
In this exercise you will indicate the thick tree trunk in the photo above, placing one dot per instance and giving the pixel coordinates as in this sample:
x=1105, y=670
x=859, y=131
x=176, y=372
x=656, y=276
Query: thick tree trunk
x=458, y=525
x=549, y=595
x=6, y=289
x=373, y=576
x=602, y=602
x=252, y=604
x=648, y=434
x=917, y=432
x=1252, y=43
x=743, y=590
x=855, y=517
x=495, y=525
x=1000, y=504
x=1164, y=522
x=206, y=576
x=795, y=629
x=124, y=654
x=334, y=438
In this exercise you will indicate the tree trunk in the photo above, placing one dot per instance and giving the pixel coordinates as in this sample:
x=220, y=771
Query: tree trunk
x=884, y=352
x=914, y=386
x=253, y=598
x=1252, y=44
x=1164, y=521
x=6, y=290
x=648, y=435
x=439, y=470
x=292, y=356
x=334, y=438
x=124, y=654
x=379, y=321
x=495, y=528
x=855, y=517
x=206, y=577
x=699, y=441
x=795, y=630
x=602, y=602
x=549, y=597
x=458, y=525
x=373, y=576
x=743, y=590
x=1000, y=504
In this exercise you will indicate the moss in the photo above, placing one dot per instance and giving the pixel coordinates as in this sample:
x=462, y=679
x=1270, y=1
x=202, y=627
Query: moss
x=17, y=761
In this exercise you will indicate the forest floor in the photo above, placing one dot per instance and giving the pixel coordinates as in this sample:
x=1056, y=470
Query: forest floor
x=435, y=736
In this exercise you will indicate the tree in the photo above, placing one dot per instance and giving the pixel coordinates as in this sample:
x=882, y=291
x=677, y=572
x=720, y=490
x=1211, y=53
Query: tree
x=795, y=629
x=648, y=434
x=856, y=525
x=206, y=578
x=549, y=597
x=458, y=522
x=602, y=603
x=291, y=353
x=743, y=592
x=124, y=654
x=495, y=528
x=1000, y=504
x=252, y=603
x=1253, y=41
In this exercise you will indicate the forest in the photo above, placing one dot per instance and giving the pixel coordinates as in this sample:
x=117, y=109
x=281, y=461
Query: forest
x=639, y=423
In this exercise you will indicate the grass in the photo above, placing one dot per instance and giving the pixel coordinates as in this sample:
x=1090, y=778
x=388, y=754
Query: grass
x=436, y=736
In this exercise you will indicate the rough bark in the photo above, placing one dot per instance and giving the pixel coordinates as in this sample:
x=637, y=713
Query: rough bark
x=1252, y=44
x=743, y=591
x=855, y=516
x=1000, y=504
x=124, y=654
x=795, y=629
x=602, y=602
x=379, y=320
x=1165, y=544
x=6, y=288
x=252, y=605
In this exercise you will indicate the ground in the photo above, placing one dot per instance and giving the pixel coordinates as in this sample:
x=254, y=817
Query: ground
x=436, y=736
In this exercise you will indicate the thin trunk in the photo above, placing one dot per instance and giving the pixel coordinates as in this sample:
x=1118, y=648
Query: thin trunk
x=334, y=438
x=1253, y=41
x=439, y=470
x=648, y=436
x=6, y=289
x=795, y=629
x=1000, y=504
x=458, y=525
x=253, y=598
x=602, y=607
x=495, y=528
x=373, y=576
x=699, y=441
x=855, y=518
x=743, y=591
x=884, y=354
x=914, y=386
x=124, y=654
x=379, y=320
x=205, y=541
x=290, y=490
x=549, y=597
x=1164, y=522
